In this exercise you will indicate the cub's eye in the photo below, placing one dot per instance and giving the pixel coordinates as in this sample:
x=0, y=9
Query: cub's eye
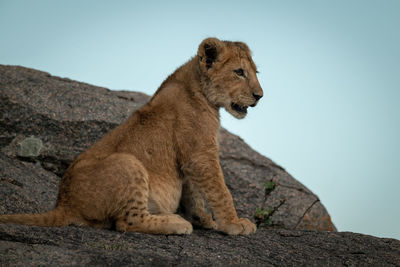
x=240, y=72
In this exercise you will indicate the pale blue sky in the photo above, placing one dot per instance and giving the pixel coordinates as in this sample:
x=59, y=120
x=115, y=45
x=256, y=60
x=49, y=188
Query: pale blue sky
x=330, y=71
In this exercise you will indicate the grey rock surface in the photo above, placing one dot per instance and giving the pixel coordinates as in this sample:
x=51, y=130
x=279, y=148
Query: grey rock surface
x=66, y=117
x=25, y=246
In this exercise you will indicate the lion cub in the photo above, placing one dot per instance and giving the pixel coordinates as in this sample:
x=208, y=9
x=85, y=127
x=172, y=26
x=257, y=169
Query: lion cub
x=164, y=155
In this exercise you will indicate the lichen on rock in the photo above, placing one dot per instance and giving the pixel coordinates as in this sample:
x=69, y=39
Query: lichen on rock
x=30, y=147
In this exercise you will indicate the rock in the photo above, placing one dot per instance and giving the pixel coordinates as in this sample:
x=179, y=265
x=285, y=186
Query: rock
x=26, y=187
x=66, y=246
x=47, y=121
x=30, y=147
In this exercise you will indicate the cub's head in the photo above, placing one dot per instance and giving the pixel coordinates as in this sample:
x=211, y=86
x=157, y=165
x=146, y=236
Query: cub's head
x=229, y=75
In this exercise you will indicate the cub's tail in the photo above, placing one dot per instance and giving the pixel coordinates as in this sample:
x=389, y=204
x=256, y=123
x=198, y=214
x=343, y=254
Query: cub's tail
x=56, y=217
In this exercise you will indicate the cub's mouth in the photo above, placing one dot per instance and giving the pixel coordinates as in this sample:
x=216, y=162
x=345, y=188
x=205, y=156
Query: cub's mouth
x=238, y=108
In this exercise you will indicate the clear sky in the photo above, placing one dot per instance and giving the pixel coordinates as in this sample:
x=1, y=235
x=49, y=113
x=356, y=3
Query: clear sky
x=330, y=71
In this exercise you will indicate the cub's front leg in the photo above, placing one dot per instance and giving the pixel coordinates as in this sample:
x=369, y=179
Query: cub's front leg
x=194, y=206
x=205, y=172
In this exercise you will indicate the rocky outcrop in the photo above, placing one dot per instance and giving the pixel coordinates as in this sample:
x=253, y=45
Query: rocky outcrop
x=47, y=121
x=27, y=246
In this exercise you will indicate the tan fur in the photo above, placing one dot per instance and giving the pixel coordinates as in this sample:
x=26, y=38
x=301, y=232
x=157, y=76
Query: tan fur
x=164, y=155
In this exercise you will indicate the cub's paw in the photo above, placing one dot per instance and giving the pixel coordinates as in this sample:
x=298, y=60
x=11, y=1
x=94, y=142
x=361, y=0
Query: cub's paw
x=240, y=226
x=179, y=226
x=207, y=222
x=183, y=229
x=204, y=221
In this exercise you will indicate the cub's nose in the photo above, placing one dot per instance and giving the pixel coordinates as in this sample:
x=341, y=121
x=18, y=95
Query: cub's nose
x=257, y=97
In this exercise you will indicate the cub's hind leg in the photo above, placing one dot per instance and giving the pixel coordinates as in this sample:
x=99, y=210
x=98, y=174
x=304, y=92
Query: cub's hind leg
x=131, y=213
x=135, y=220
x=135, y=217
x=117, y=189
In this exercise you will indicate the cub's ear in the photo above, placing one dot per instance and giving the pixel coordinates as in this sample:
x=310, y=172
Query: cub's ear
x=243, y=46
x=209, y=51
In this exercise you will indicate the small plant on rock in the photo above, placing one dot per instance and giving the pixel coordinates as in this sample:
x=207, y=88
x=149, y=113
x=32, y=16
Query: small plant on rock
x=263, y=217
x=269, y=186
